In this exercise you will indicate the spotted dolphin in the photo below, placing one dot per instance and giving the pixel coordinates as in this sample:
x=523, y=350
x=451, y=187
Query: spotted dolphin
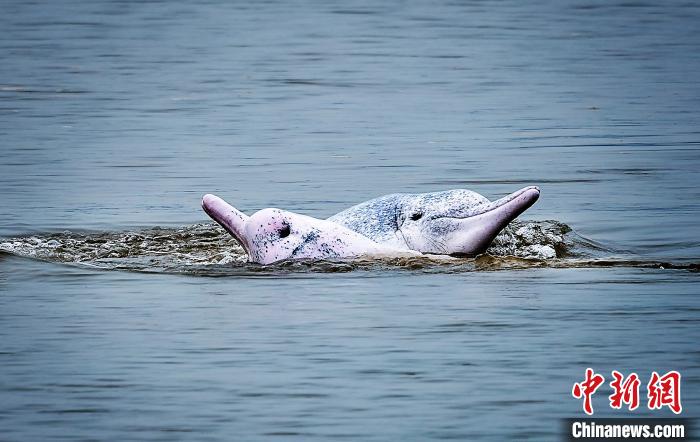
x=272, y=235
x=456, y=222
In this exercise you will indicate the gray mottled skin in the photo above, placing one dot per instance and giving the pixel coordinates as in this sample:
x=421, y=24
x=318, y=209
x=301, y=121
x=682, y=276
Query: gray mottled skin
x=456, y=222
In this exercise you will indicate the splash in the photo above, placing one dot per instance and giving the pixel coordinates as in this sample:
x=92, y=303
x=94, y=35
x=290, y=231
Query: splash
x=207, y=250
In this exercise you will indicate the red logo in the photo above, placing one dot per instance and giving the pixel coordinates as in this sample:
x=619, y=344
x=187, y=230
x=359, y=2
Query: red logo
x=626, y=392
x=665, y=391
x=662, y=391
x=586, y=389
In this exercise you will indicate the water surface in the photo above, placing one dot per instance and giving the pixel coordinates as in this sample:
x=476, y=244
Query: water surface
x=116, y=117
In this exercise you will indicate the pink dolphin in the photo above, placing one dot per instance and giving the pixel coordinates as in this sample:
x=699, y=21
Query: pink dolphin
x=272, y=235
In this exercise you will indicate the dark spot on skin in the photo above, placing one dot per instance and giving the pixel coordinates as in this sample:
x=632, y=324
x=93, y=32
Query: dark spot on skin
x=312, y=237
x=285, y=231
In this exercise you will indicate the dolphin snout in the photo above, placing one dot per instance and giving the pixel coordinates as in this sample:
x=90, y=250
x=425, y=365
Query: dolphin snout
x=506, y=209
x=216, y=208
x=209, y=201
x=529, y=196
x=227, y=217
x=477, y=231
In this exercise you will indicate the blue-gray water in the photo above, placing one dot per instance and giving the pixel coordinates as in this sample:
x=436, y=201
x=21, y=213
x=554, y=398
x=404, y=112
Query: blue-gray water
x=118, y=116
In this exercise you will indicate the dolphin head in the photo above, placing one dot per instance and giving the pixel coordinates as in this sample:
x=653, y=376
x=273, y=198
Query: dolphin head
x=272, y=235
x=458, y=222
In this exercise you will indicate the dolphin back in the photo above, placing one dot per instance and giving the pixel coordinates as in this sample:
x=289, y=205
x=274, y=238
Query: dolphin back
x=376, y=219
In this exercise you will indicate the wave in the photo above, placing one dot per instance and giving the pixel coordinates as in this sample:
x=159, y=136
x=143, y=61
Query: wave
x=207, y=250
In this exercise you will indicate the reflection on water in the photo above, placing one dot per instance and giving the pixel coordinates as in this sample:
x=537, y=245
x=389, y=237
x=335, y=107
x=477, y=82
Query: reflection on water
x=117, y=116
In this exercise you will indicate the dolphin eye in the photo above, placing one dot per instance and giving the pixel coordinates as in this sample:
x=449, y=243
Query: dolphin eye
x=416, y=216
x=285, y=231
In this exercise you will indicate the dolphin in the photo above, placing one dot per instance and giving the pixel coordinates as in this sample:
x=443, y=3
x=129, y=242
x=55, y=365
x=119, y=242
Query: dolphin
x=456, y=222
x=273, y=235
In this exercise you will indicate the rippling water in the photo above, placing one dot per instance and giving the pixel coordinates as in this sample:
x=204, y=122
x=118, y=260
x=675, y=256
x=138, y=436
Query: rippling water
x=115, y=117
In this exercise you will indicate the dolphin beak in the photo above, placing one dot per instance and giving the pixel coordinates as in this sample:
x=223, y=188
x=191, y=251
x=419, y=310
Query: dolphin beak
x=488, y=220
x=506, y=209
x=228, y=217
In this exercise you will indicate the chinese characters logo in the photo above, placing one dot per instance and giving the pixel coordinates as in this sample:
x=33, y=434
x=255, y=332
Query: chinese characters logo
x=662, y=391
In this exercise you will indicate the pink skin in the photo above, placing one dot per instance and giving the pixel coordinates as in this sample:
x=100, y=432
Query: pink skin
x=272, y=235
